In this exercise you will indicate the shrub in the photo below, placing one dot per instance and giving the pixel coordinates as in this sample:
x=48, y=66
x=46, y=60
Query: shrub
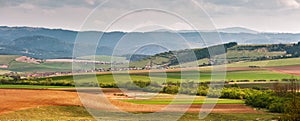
x=171, y=89
x=202, y=90
x=277, y=105
x=141, y=83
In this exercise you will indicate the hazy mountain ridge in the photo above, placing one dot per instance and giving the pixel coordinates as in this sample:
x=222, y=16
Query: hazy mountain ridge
x=223, y=30
x=237, y=30
x=55, y=43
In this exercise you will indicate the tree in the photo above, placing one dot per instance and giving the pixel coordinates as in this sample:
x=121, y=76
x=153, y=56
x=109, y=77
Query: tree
x=292, y=110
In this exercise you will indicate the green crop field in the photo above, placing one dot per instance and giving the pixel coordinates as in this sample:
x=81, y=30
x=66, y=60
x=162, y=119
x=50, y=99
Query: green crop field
x=175, y=77
x=232, y=75
x=159, y=78
x=230, y=117
x=67, y=66
x=43, y=67
x=233, y=56
x=53, y=66
x=198, y=100
x=30, y=87
x=244, y=55
x=155, y=61
x=267, y=63
x=193, y=64
x=264, y=63
x=105, y=58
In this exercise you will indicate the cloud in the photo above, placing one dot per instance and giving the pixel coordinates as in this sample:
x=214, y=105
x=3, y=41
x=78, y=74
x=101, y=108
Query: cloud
x=256, y=4
x=181, y=26
x=290, y=3
x=258, y=14
x=27, y=6
x=51, y=3
x=91, y=2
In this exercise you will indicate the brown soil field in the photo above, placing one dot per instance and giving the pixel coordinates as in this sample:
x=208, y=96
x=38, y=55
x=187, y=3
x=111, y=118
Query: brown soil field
x=294, y=70
x=19, y=99
x=243, y=69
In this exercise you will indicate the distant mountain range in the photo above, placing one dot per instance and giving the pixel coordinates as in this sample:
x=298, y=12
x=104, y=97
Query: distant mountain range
x=237, y=30
x=224, y=30
x=57, y=43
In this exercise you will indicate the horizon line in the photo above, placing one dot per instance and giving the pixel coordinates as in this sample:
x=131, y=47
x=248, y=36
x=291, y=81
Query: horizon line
x=157, y=30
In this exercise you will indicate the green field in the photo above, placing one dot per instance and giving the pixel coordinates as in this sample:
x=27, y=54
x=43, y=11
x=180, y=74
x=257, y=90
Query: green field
x=6, y=59
x=54, y=66
x=267, y=63
x=198, y=100
x=232, y=75
x=30, y=87
x=104, y=58
x=67, y=66
x=155, y=77
x=43, y=67
x=264, y=63
x=176, y=76
x=155, y=61
x=49, y=113
x=230, y=117
x=246, y=55
x=75, y=113
x=234, y=56
x=192, y=64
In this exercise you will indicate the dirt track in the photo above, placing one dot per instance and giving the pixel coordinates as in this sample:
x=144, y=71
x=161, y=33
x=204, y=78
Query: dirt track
x=18, y=99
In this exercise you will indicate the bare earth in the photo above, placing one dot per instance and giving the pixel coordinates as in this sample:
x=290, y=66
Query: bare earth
x=19, y=99
x=294, y=70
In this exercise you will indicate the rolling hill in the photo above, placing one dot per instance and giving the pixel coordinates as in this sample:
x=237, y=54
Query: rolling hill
x=211, y=55
x=235, y=55
x=58, y=43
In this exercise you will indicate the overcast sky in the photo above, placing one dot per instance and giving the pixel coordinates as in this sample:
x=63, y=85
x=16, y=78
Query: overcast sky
x=260, y=15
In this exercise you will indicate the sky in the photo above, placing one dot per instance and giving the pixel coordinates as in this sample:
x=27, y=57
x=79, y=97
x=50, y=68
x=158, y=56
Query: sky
x=143, y=15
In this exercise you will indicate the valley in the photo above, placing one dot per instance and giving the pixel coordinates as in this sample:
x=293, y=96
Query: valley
x=233, y=77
